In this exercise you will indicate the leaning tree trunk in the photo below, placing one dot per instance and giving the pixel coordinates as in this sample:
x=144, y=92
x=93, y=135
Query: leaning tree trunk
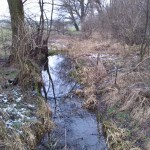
x=74, y=21
x=18, y=29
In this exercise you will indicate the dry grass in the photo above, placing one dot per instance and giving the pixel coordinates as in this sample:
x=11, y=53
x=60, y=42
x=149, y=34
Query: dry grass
x=30, y=133
x=130, y=94
x=88, y=76
x=138, y=104
x=132, y=91
x=116, y=137
x=91, y=102
x=76, y=46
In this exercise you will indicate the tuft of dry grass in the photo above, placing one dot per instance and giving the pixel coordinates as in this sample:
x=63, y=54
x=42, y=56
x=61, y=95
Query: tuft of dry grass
x=116, y=137
x=132, y=92
x=138, y=104
x=91, y=102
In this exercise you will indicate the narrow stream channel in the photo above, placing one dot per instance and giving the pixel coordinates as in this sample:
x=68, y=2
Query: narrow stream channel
x=76, y=128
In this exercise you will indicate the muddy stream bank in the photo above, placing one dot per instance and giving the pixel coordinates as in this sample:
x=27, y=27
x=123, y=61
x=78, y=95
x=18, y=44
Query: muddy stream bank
x=76, y=128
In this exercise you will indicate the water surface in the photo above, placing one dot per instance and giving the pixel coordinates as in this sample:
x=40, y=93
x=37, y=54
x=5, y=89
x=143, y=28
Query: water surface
x=76, y=128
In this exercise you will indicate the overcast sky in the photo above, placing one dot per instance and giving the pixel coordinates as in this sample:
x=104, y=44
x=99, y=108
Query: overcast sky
x=31, y=7
x=3, y=8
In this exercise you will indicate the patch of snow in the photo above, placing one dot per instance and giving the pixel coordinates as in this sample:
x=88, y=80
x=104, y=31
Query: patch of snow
x=103, y=56
x=5, y=100
x=64, y=46
x=18, y=99
x=8, y=123
x=23, y=109
x=15, y=92
x=17, y=114
x=9, y=109
x=30, y=118
x=31, y=106
x=22, y=116
x=14, y=105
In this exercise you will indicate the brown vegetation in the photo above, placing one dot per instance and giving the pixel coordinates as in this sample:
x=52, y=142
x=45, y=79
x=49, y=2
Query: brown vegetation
x=15, y=106
x=24, y=120
x=110, y=58
x=117, y=85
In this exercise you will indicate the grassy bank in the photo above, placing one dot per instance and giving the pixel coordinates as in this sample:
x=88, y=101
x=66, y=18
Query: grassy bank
x=116, y=86
x=25, y=116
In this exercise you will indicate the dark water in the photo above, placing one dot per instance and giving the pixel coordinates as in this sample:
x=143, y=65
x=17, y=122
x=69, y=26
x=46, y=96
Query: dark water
x=76, y=128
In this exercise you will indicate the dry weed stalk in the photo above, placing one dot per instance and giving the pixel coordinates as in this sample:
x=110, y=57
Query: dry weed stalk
x=113, y=95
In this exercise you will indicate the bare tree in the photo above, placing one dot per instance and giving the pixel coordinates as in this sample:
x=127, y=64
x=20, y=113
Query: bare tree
x=76, y=10
x=126, y=20
x=17, y=24
x=30, y=46
x=145, y=42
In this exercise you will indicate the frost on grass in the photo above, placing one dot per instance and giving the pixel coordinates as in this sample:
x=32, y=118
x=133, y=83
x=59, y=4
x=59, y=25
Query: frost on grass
x=21, y=125
x=14, y=112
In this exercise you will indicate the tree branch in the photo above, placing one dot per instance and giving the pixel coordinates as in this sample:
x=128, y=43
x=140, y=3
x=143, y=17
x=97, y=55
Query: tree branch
x=24, y=1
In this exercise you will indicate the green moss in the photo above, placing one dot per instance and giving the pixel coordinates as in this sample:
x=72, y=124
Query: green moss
x=52, y=52
x=122, y=116
x=98, y=116
x=73, y=74
x=17, y=125
x=112, y=110
x=9, y=74
x=72, y=31
x=82, y=62
x=37, y=88
x=13, y=74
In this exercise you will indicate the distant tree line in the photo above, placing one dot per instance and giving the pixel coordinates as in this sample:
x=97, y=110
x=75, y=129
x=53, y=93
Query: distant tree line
x=126, y=20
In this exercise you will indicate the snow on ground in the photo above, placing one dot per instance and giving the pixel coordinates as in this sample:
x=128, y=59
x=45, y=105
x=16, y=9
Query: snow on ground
x=14, y=112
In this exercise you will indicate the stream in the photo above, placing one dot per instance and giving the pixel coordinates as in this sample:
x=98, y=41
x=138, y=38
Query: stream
x=76, y=128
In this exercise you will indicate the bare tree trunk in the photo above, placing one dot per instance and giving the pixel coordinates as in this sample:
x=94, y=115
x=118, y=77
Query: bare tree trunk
x=17, y=24
x=143, y=48
x=74, y=22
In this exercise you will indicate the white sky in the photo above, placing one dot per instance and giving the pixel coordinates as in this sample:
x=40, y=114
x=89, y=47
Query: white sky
x=3, y=8
x=31, y=7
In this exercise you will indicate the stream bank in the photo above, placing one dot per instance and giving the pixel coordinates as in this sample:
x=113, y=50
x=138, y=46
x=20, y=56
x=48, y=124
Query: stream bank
x=21, y=114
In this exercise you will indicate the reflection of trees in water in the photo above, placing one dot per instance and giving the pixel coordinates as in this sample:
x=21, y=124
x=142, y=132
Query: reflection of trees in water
x=63, y=69
x=60, y=83
x=46, y=68
x=66, y=67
